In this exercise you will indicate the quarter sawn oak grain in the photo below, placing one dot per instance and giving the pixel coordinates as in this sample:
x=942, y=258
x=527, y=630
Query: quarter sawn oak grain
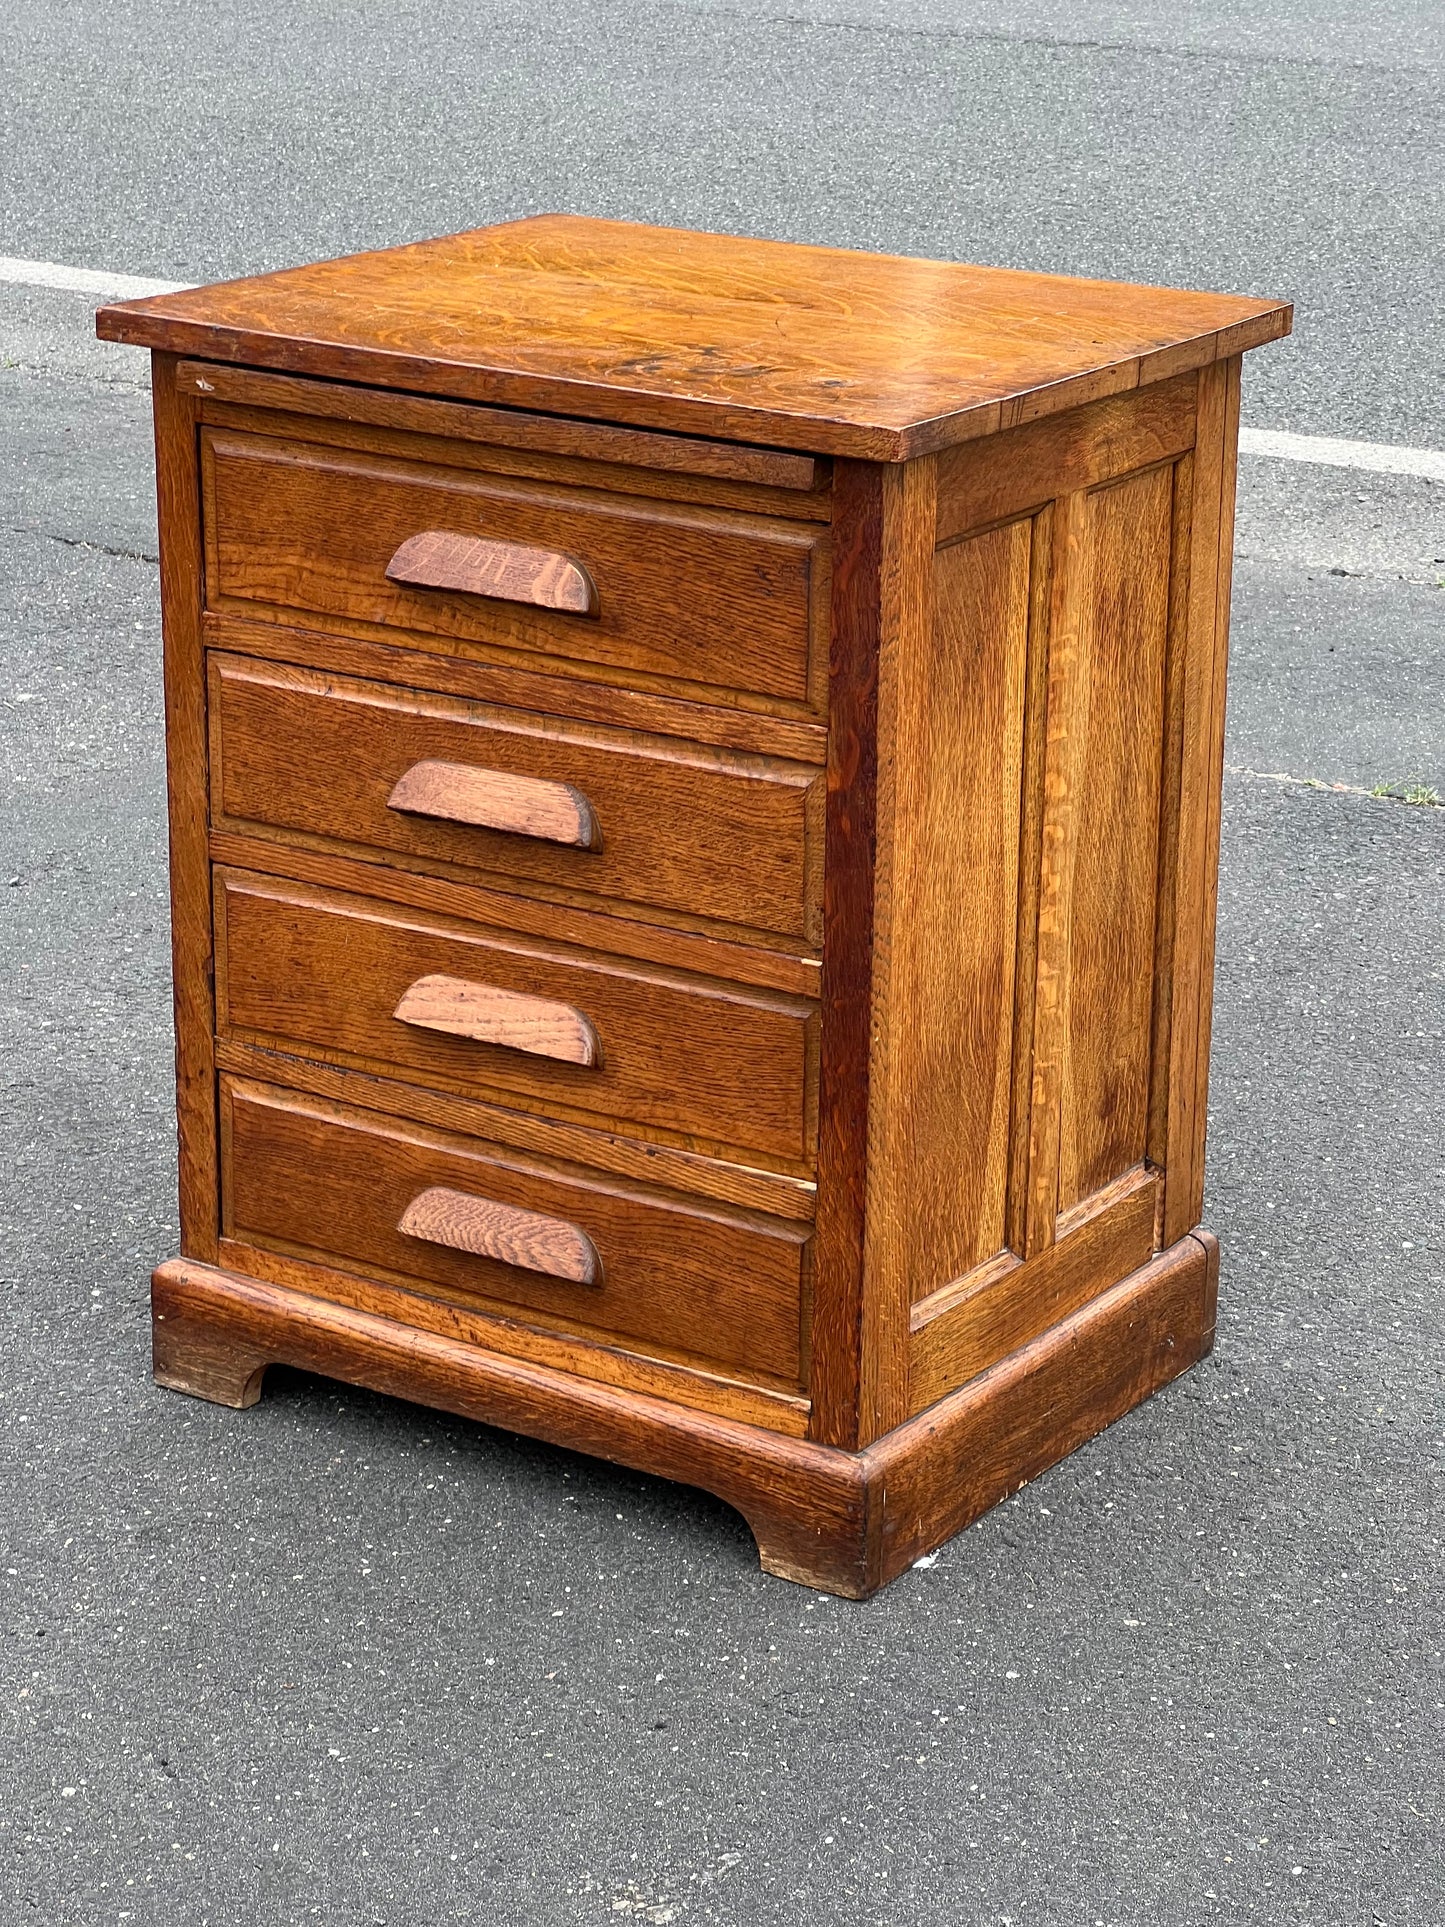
x=870, y=356
x=537, y=1025
x=507, y=571
x=303, y=533
x=844, y=1522
x=491, y=799
x=640, y=820
x=318, y=972
x=523, y=1239
x=695, y=776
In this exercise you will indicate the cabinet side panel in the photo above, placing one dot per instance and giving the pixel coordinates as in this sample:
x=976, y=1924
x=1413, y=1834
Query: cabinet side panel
x=944, y=1017
x=178, y=511
x=1109, y=998
x=1120, y=744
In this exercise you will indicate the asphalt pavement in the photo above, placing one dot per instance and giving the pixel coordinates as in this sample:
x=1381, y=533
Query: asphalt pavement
x=341, y=1658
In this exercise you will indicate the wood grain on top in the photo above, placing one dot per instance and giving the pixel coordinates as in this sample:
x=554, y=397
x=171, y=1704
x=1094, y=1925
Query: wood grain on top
x=820, y=349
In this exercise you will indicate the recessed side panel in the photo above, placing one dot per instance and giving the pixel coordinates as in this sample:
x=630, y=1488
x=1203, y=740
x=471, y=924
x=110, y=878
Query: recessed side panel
x=952, y=699
x=1105, y=1089
x=953, y=904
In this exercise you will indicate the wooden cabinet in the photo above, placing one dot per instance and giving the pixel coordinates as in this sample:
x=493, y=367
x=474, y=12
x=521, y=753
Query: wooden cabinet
x=694, y=777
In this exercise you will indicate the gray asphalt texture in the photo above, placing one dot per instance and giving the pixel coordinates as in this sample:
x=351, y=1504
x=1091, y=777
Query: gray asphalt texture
x=340, y=1658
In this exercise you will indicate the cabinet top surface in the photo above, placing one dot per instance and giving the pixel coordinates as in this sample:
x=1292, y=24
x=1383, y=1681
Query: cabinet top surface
x=874, y=356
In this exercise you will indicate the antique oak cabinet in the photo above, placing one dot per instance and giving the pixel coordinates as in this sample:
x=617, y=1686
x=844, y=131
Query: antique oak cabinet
x=694, y=804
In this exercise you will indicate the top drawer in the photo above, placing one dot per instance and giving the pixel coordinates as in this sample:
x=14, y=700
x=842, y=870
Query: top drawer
x=694, y=595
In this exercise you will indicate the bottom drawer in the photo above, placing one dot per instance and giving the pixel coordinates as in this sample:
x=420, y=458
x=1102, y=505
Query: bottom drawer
x=586, y=1253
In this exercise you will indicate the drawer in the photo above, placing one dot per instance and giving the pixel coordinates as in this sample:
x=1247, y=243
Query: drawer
x=701, y=596
x=541, y=1026
x=582, y=1251
x=646, y=821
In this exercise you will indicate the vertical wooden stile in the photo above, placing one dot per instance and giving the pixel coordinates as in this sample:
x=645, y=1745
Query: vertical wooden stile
x=1214, y=782
x=178, y=514
x=1065, y=733
x=1171, y=757
x=837, y=1313
x=1201, y=752
x=1031, y=822
x=905, y=629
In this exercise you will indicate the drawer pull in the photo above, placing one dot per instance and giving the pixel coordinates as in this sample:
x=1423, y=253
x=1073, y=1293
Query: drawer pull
x=507, y=1017
x=494, y=799
x=506, y=571
x=501, y=1231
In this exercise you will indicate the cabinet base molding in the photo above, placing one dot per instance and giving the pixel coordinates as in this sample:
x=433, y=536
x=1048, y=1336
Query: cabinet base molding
x=843, y=1522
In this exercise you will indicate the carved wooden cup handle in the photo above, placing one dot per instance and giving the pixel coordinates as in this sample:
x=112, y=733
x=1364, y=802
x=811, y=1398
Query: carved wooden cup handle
x=494, y=799
x=506, y=571
x=508, y=1017
x=501, y=1231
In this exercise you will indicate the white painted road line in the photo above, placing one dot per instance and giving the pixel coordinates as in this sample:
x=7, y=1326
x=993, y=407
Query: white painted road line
x=1380, y=458
x=1377, y=458
x=109, y=287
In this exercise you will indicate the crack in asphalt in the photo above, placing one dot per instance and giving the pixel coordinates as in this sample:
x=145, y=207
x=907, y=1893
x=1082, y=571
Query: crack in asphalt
x=12, y=365
x=1427, y=799
x=76, y=542
x=1048, y=43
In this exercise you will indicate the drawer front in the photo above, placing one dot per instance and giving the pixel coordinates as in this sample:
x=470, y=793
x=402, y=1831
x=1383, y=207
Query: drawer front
x=322, y=1181
x=539, y=1026
x=651, y=821
x=703, y=596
